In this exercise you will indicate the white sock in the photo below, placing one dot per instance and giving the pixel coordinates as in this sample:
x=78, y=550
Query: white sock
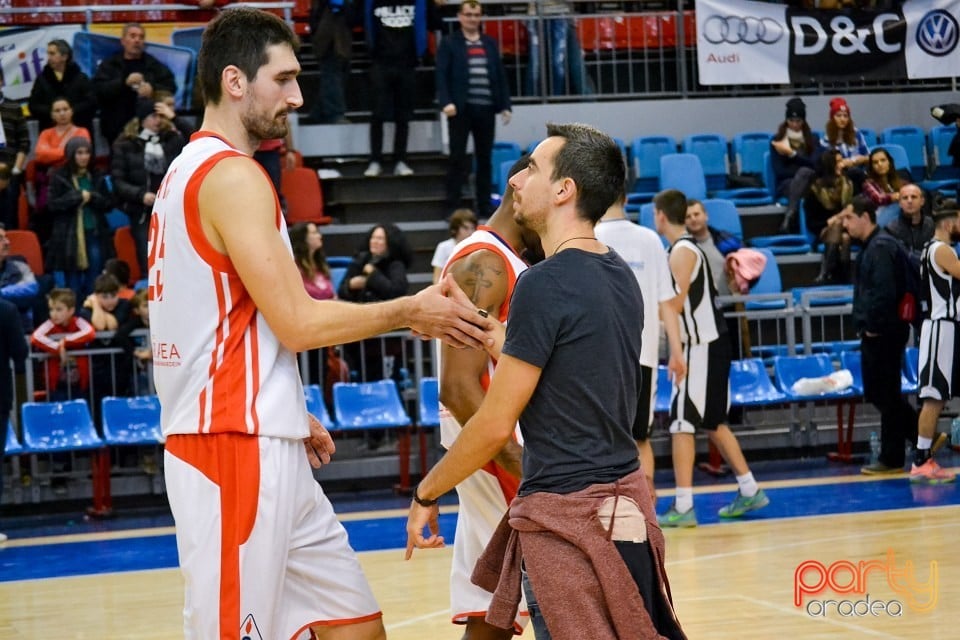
x=683, y=501
x=924, y=443
x=748, y=486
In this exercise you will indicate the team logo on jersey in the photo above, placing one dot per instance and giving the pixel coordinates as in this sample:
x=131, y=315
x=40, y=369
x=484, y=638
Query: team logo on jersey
x=249, y=630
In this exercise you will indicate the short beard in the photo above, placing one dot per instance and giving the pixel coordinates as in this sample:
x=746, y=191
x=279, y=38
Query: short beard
x=262, y=127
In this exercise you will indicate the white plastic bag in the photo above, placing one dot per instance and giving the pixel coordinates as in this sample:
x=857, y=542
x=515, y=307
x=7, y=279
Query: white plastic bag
x=836, y=381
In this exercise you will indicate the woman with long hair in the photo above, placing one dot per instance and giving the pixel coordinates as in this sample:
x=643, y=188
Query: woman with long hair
x=842, y=136
x=307, y=243
x=793, y=150
x=829, y=195
x=79, y=199
x=883, y=182
x=379, y=269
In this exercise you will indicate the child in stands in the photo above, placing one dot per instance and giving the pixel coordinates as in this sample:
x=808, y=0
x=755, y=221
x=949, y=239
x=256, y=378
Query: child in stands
x=67, y=377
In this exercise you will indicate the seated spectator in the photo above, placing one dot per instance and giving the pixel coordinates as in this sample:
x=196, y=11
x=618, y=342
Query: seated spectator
x=67, y=377
x=911, y=227
x=307, y=243
x=714, y=243
x=463, y=222
x=137, y=355
x=883, y=183
x=104, y=308
x=793, y=154
x=141, y=156
x=166, y=105
x=18, y=285
x=52, y=142
x=16, y=141
x=379, y=270
x=61, y=77
x=9, y=196
x=124, y=78
x=78, y=201
x=120, y=270
x=842, y=135
x=829, y=195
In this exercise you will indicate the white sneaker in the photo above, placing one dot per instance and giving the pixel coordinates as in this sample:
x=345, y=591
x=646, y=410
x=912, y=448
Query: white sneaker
x=402, y=169
x=373, y=170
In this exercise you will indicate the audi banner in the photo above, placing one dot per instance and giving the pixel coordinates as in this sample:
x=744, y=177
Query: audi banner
x=745, y=42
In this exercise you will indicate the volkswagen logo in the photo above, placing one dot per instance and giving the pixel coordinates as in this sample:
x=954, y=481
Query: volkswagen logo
x=938, y=32
x=742, y=29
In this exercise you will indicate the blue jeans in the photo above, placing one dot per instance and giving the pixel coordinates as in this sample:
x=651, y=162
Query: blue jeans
x=563, y=53
x=540, y=631
x=81, y=282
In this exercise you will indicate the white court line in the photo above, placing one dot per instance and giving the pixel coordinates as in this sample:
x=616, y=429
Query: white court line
x=410, y=621
x=807, y=542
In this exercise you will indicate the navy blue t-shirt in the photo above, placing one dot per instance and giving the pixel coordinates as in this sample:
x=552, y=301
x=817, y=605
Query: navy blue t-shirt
x=578, y=317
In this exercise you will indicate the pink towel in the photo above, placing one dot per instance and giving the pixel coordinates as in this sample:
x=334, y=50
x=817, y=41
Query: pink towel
x=746, y=265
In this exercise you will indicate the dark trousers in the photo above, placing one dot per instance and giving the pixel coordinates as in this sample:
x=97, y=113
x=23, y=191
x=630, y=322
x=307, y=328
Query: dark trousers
x=331, y=103
x=480, y=122
x=394, y=89
x=881, y=361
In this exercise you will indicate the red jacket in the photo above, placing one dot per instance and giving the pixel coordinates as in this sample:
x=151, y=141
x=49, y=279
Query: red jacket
x=77, y=333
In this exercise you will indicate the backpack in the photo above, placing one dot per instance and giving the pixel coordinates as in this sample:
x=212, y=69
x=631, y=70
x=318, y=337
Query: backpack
x=911, y=302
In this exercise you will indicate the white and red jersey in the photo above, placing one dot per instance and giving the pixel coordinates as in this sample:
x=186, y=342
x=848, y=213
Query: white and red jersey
x=218, y=366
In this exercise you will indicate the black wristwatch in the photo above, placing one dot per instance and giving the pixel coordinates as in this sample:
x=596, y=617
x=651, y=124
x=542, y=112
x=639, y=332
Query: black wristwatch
x=420, y=501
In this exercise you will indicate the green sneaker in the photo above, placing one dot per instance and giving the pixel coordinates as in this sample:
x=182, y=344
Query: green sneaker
x=742, y=504
x=673, y=518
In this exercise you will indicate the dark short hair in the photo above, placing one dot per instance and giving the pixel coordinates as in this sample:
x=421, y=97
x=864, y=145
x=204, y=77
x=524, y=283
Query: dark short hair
x=862, y=204
x=106, y=283
x=593, y=161
x=238, y=36
x=945, y=209
x=119, y=269
x=63, y=47
x=673, y=204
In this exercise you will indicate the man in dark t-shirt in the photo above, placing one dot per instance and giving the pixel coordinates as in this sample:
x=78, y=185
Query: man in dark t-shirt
x=568, y=371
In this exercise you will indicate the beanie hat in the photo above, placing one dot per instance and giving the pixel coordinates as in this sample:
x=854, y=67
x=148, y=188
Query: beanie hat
x=145, y=106
x=73, y=145
x=838, y=104
x=796, y=109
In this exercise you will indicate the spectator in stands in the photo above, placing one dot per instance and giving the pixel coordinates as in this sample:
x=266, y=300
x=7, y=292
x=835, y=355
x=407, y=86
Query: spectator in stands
x=166, y=106
x=883, y=336
x=379, y=270
x=701, y=400
x=911, y=227
x=61, y=77
x=793, y=155
x=81, y=240
x=462, y=223
x=50, y=150
x=14, y=140
x=120, y=270
x=829, y=194
x=714, y=243
x=396, y=32
x=13, y=354
x=274, y=156
x=18, y=284
x=104, y=308
x=137, y=355
x=9, y=199
x=471, y=90
x=332, y=39
x=123, y=78
x=141, y=155
x=842, y=135
x=67, y=377
x=563, y=54
x=307, y=243
x=883, y=183
x=940, y=271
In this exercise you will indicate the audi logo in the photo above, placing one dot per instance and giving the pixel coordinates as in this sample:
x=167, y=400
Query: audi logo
x=938, y=33
x=742, y=29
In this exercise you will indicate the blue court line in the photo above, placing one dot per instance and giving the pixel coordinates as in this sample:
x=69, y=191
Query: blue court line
x=160, y=552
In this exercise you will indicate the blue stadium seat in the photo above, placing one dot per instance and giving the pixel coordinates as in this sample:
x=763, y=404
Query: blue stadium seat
x=914, y=142
x=899, y=154
x=188, y=38
x=711, y=149
x=368, y=405
x=769, y=282
x=313, y=395
x=870, y=136
x=428, y=403
x=645, y=152
x=338, y=268
x=634, y=202
x=13, y=446
x=887, y=214
x=828, y=295
x=503, y=152
x=131, y=421
x=750, y=385
x=910, y=373
x=661, y=403
x=749, y=151
x=684, y=172
x=850, y=360
x=788, y=369
x=723, y=215
x=770, y=179
x=645, y=219
x=54, y=427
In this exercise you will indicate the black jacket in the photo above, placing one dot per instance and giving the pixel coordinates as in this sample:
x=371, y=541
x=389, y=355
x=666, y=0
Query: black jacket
x=130, y=179
x=75, y=86
x=118, y=102
x=13, y=351
x=388, y=280
x=877, y=287
x=453, y=73
x=63, y=200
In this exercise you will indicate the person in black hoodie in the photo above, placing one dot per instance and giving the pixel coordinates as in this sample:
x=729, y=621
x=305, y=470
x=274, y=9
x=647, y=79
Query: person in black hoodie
x=62, y=77
x=141, y=156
